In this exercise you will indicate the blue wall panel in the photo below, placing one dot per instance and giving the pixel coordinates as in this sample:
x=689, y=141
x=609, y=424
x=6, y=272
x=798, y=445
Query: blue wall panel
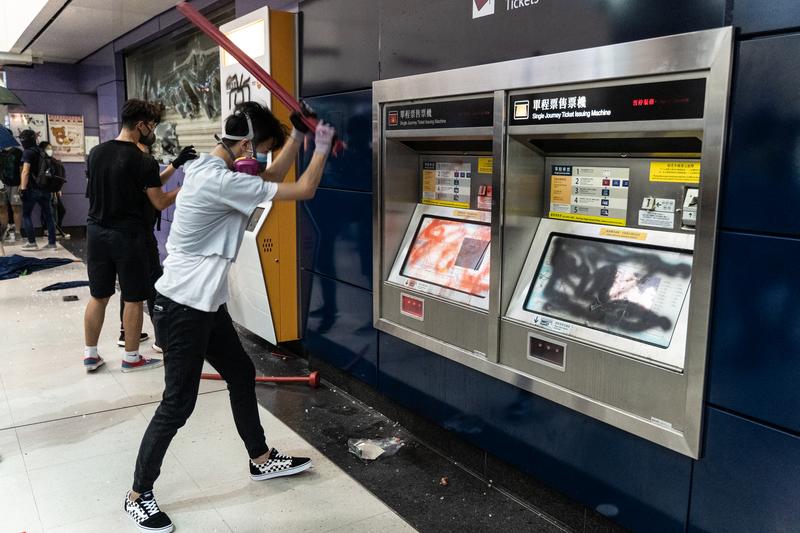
x=761, y=190
x=755, y=346
x=337, y=225
x=351, y=115
x=419, y=36
x=749, y=479
x=339, y=328
x=339, y=40
x=759, y=15
x=644, y=487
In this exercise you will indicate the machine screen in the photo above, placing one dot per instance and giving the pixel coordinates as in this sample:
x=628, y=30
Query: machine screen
x=450, y=253
x=254, y=218
x=628, y=290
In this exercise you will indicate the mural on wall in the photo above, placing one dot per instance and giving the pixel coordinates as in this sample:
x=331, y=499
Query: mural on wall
x=191, y=88
x=29, y=121
x=184, y=75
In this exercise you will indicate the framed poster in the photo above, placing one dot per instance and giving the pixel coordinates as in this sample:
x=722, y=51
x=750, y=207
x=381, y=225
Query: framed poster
x=66, y=136
x=29, y=121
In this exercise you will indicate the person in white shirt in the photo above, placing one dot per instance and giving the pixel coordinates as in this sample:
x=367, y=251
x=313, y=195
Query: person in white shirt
x=211, y=213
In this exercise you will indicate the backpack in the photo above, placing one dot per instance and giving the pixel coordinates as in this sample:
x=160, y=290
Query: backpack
x=51, y=175
x=10, y=163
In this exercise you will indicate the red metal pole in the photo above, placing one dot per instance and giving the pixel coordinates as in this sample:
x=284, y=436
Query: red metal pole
x=249, y=64
x=312, y=379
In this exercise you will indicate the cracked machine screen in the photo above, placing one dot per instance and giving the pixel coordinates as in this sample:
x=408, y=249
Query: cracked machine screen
x=631, y=291
x=451, y=253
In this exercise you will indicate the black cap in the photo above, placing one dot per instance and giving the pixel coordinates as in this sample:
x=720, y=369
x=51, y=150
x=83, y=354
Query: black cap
x=27, y=138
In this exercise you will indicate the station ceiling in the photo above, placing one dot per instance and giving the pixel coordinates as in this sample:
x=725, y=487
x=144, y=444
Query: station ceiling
x=66, y=31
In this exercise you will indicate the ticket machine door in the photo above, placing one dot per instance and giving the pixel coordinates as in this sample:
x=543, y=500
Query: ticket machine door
x=433, y=243
x=609, y=305
x=598, y=241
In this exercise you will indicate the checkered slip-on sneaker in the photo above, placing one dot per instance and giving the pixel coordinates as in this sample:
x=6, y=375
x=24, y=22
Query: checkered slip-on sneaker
x=146, y=515
x=278, y=465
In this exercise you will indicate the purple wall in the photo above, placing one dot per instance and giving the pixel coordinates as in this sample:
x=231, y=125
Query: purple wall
x=54, y=89
x=95, y=88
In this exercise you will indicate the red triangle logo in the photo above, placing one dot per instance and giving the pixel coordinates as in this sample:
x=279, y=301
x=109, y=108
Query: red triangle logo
x=480, y=3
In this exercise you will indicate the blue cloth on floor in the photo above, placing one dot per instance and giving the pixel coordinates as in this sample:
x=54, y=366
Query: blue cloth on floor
x=18, y=265
x=65, y=285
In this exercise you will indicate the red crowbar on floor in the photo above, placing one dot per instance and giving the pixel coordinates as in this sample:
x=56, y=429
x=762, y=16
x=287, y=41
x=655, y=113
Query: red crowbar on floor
x=251, y=66
x=312, y=379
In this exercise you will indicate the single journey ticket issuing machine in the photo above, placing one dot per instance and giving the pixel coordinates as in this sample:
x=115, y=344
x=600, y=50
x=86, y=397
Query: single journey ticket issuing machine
x=552, y=222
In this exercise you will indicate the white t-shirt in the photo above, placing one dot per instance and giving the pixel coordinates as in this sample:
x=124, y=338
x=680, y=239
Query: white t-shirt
x=211, y=213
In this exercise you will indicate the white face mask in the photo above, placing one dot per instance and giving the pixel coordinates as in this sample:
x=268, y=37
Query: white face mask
x=49, y=152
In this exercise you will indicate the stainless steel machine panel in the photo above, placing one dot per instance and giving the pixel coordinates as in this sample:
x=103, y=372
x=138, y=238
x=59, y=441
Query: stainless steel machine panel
x=645, y=373
x=626, y=291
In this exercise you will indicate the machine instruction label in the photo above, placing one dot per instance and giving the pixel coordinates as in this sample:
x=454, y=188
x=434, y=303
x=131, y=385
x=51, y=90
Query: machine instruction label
x=675, y=171
x=446, y=184
x=597, y=195
x=623, y=234
x=485, y=165
x=552, y=324
x=656, y=219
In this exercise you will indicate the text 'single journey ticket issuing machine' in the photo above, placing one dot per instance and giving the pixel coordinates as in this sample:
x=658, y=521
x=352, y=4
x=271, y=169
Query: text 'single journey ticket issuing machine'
x=551, y=222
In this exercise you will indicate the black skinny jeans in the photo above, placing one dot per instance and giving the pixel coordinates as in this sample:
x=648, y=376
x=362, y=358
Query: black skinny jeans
x=33, y=197
x=190, y=336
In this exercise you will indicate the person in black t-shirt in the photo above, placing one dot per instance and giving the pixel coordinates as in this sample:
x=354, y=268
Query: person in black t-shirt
x=153, y=257
x=124, y=186
x=31, y=193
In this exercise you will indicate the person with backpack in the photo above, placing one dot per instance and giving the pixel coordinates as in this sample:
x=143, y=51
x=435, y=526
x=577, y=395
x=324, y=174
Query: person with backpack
x=56, y=169
x=32, y=189
x=10, y=201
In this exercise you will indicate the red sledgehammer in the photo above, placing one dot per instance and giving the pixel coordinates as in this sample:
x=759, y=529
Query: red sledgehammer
x=251, y=66
x=286, y=99
x=312, y=379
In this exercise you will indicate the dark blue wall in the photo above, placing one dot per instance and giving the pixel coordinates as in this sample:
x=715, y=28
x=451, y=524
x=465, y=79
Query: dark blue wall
x=749, y=476
x=336, y=237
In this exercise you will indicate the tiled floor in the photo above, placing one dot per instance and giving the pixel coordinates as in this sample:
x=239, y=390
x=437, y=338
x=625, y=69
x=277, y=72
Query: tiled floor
x=68, y=440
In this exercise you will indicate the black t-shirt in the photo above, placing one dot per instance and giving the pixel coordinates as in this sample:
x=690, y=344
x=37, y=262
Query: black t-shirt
x=34, y=157
x=152, y=215
x=119, y=173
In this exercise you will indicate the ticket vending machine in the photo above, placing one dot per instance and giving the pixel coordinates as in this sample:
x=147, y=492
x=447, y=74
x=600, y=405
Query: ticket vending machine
x=436, y=210
x=607, y=166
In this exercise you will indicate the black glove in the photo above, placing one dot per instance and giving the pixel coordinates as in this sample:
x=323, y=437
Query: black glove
x=187, y=154
x=297, y=121
x=23, y=194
